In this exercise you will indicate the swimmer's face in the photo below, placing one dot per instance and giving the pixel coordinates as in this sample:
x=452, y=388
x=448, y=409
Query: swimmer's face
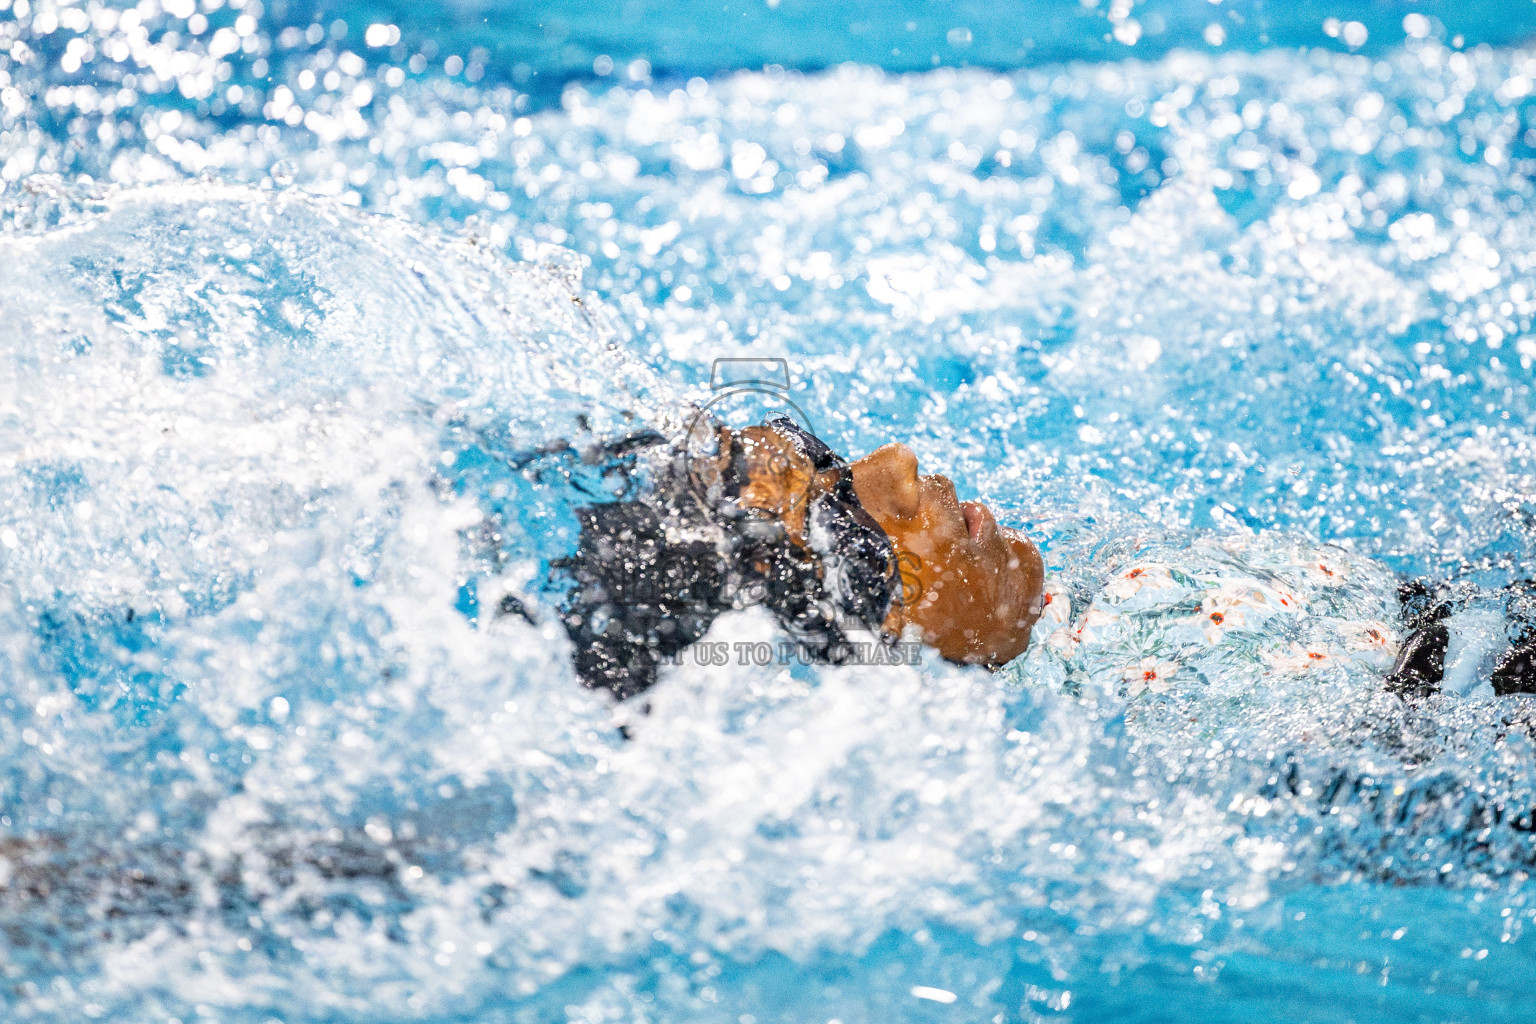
x=979, y=588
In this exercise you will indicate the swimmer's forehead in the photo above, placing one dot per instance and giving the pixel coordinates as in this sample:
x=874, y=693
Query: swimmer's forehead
x=783, y=447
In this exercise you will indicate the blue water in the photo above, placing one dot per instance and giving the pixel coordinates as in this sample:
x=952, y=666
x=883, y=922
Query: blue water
x=291, y=293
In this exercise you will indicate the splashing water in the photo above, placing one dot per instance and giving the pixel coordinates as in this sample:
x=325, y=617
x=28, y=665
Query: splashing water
x=296, y=311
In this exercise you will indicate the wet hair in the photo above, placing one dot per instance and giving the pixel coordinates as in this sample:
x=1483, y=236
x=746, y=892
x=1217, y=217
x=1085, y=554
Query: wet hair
x=650, y=575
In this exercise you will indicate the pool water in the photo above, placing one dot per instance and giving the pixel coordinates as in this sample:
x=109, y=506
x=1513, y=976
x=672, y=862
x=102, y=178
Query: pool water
x=297, y=298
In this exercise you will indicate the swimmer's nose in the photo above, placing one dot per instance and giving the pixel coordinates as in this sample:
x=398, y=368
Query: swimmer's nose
x=886, y=482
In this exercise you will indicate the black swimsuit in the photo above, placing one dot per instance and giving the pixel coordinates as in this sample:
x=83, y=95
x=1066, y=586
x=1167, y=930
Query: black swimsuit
x=1435, y=614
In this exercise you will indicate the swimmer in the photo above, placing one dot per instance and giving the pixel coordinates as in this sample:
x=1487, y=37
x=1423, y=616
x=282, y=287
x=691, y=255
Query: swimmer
x=770, y=515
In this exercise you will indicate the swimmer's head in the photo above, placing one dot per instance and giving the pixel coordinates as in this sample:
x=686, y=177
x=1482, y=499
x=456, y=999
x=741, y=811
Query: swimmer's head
x=773, y=516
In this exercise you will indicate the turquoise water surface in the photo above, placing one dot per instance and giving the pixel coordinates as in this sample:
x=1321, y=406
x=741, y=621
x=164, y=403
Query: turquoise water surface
x=294, y=295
